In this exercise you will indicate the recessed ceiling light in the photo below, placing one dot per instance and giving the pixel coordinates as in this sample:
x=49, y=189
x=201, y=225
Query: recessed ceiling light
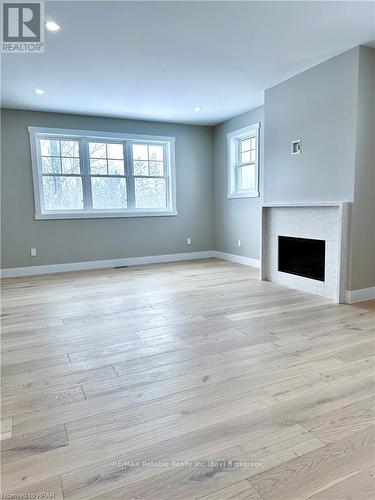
x=198, y=108
x=52, y=26
x=39, y=91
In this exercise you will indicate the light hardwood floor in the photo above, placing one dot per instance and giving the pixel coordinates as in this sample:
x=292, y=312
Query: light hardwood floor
x=184, y=381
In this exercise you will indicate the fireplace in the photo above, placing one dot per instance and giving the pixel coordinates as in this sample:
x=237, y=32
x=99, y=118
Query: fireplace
x=302, y=256
x=320, y=266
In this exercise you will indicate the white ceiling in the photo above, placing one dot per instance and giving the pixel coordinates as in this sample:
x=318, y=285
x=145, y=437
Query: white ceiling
x=159, y=60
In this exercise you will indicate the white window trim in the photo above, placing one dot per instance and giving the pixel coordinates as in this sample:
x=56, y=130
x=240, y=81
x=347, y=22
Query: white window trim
x=169, y=142
x=232, y=139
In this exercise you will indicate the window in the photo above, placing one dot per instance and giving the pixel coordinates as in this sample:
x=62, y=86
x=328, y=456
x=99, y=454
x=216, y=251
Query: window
x=243, y=162
x=96, y=174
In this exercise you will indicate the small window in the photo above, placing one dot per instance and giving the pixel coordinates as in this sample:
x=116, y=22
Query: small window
x=86, y=174
x=243, y=162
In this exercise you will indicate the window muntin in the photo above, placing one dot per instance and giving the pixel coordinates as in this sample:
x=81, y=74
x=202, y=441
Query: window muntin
x=107, y=158
x=243, y=162
x=77, y=175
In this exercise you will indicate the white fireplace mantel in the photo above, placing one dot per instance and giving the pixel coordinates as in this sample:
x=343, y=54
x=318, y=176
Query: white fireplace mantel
x=307, y=204
x=317, y=220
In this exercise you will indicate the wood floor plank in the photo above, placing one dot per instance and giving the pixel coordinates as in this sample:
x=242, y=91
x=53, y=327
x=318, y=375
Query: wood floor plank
x=292, y=388
x=30, y=444
x=37, y=400
x=13, y=385
x=27, y=366
x=340, y=423
x=238, y=491
x=320, y=469
x=6, y=428
x=361, y=486
x=359, y=351
x=51, y=488
x=51, y=373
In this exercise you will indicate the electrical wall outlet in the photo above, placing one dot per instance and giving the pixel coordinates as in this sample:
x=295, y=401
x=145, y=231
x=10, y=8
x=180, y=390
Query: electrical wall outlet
x=296, y=147
x=239, y=243
x=188, y=241
x=33, y=252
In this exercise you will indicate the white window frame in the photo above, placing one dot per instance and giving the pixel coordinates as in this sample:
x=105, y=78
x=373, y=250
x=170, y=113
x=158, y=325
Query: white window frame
x=87, y=135
x=234, y=139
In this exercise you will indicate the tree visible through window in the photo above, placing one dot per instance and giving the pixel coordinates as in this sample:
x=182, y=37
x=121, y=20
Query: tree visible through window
x=108, y=175
x=61, y=178
x=148, y=171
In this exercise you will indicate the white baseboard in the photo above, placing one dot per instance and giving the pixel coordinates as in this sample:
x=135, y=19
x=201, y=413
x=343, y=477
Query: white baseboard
x=239, y=259
x=353, y=296
x=15, y=272
x=102, y=264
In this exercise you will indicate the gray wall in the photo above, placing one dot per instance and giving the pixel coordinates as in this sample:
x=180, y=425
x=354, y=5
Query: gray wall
x=362, y=233
x=236, y=218
x=61, y=241
x=317, y=106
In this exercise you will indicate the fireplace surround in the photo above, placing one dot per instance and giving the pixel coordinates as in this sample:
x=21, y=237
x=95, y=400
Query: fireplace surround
x=319, y=234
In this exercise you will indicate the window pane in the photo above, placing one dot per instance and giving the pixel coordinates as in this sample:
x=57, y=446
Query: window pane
x=140, y=168
x=70, y=165
x=245, y=157
x=97, y=150
x=98, y=167
x=252, y=143
x=245, y=145
x=62, y=193
x=115, y=151
x=252, y=156
x=156, y=168
x=155, y=153
x=140, y=152
x=116, y=167
x=50, y=147
x=247, y=177
x=150, y=193
x=69, y=148
x=108, y=192
x=51, y=165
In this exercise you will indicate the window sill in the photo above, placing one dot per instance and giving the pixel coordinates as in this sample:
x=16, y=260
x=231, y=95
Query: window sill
x=255, y=194
x=103, y=215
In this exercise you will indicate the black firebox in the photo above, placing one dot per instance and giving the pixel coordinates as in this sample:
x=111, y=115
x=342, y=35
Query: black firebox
x=302, y=256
